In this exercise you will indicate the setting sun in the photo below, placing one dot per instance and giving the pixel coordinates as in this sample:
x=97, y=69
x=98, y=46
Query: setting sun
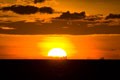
x=56, y=47
x=57, y=52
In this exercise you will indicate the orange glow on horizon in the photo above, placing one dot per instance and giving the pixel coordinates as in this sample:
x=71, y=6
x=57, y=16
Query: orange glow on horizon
x=56, y=43
x=38, y=47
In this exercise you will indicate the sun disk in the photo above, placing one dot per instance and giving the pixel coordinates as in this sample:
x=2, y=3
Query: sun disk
x=57, y=52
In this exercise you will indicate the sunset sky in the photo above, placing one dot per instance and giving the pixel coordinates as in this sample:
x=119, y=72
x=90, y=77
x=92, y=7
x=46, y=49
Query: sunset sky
x=90, y=6
x=28, y=26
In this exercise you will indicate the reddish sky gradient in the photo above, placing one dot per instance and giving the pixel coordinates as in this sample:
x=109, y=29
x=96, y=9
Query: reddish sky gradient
x=27, y=28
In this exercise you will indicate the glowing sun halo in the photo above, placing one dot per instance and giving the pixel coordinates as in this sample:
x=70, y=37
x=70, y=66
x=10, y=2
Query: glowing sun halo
x=57, y=52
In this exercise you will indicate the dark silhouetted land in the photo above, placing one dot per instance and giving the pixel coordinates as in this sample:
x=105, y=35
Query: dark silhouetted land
x=58, y=69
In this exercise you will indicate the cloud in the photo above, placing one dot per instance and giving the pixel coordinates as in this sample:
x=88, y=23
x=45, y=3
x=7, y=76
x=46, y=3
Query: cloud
x=7, y=28
x=94, y=17
x=20, y=9
x=59, y=27
x=39, y=1
x=68, y=15
x=30, y=1
x=2, y=16
x=113, y=16
x=46, y=10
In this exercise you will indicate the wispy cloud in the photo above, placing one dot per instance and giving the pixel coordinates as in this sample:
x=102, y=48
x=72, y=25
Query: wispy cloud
x=76, y=27
x=6, y=28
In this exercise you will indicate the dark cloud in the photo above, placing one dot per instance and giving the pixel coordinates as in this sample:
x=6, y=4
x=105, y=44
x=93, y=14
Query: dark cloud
x=59, y=27
x=68, y=15
x=113, y=16
x=46, y=10
x=20, y=9
x=39, y=1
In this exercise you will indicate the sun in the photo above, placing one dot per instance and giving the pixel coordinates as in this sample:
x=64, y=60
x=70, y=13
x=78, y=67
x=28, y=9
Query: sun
x=57, y=52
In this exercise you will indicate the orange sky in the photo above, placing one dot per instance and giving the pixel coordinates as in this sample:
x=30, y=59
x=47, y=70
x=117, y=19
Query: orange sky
x=90, y=6
x=21, y=44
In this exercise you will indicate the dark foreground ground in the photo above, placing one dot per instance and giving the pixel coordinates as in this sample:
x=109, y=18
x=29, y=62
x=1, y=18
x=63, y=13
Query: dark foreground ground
x=59, y=69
